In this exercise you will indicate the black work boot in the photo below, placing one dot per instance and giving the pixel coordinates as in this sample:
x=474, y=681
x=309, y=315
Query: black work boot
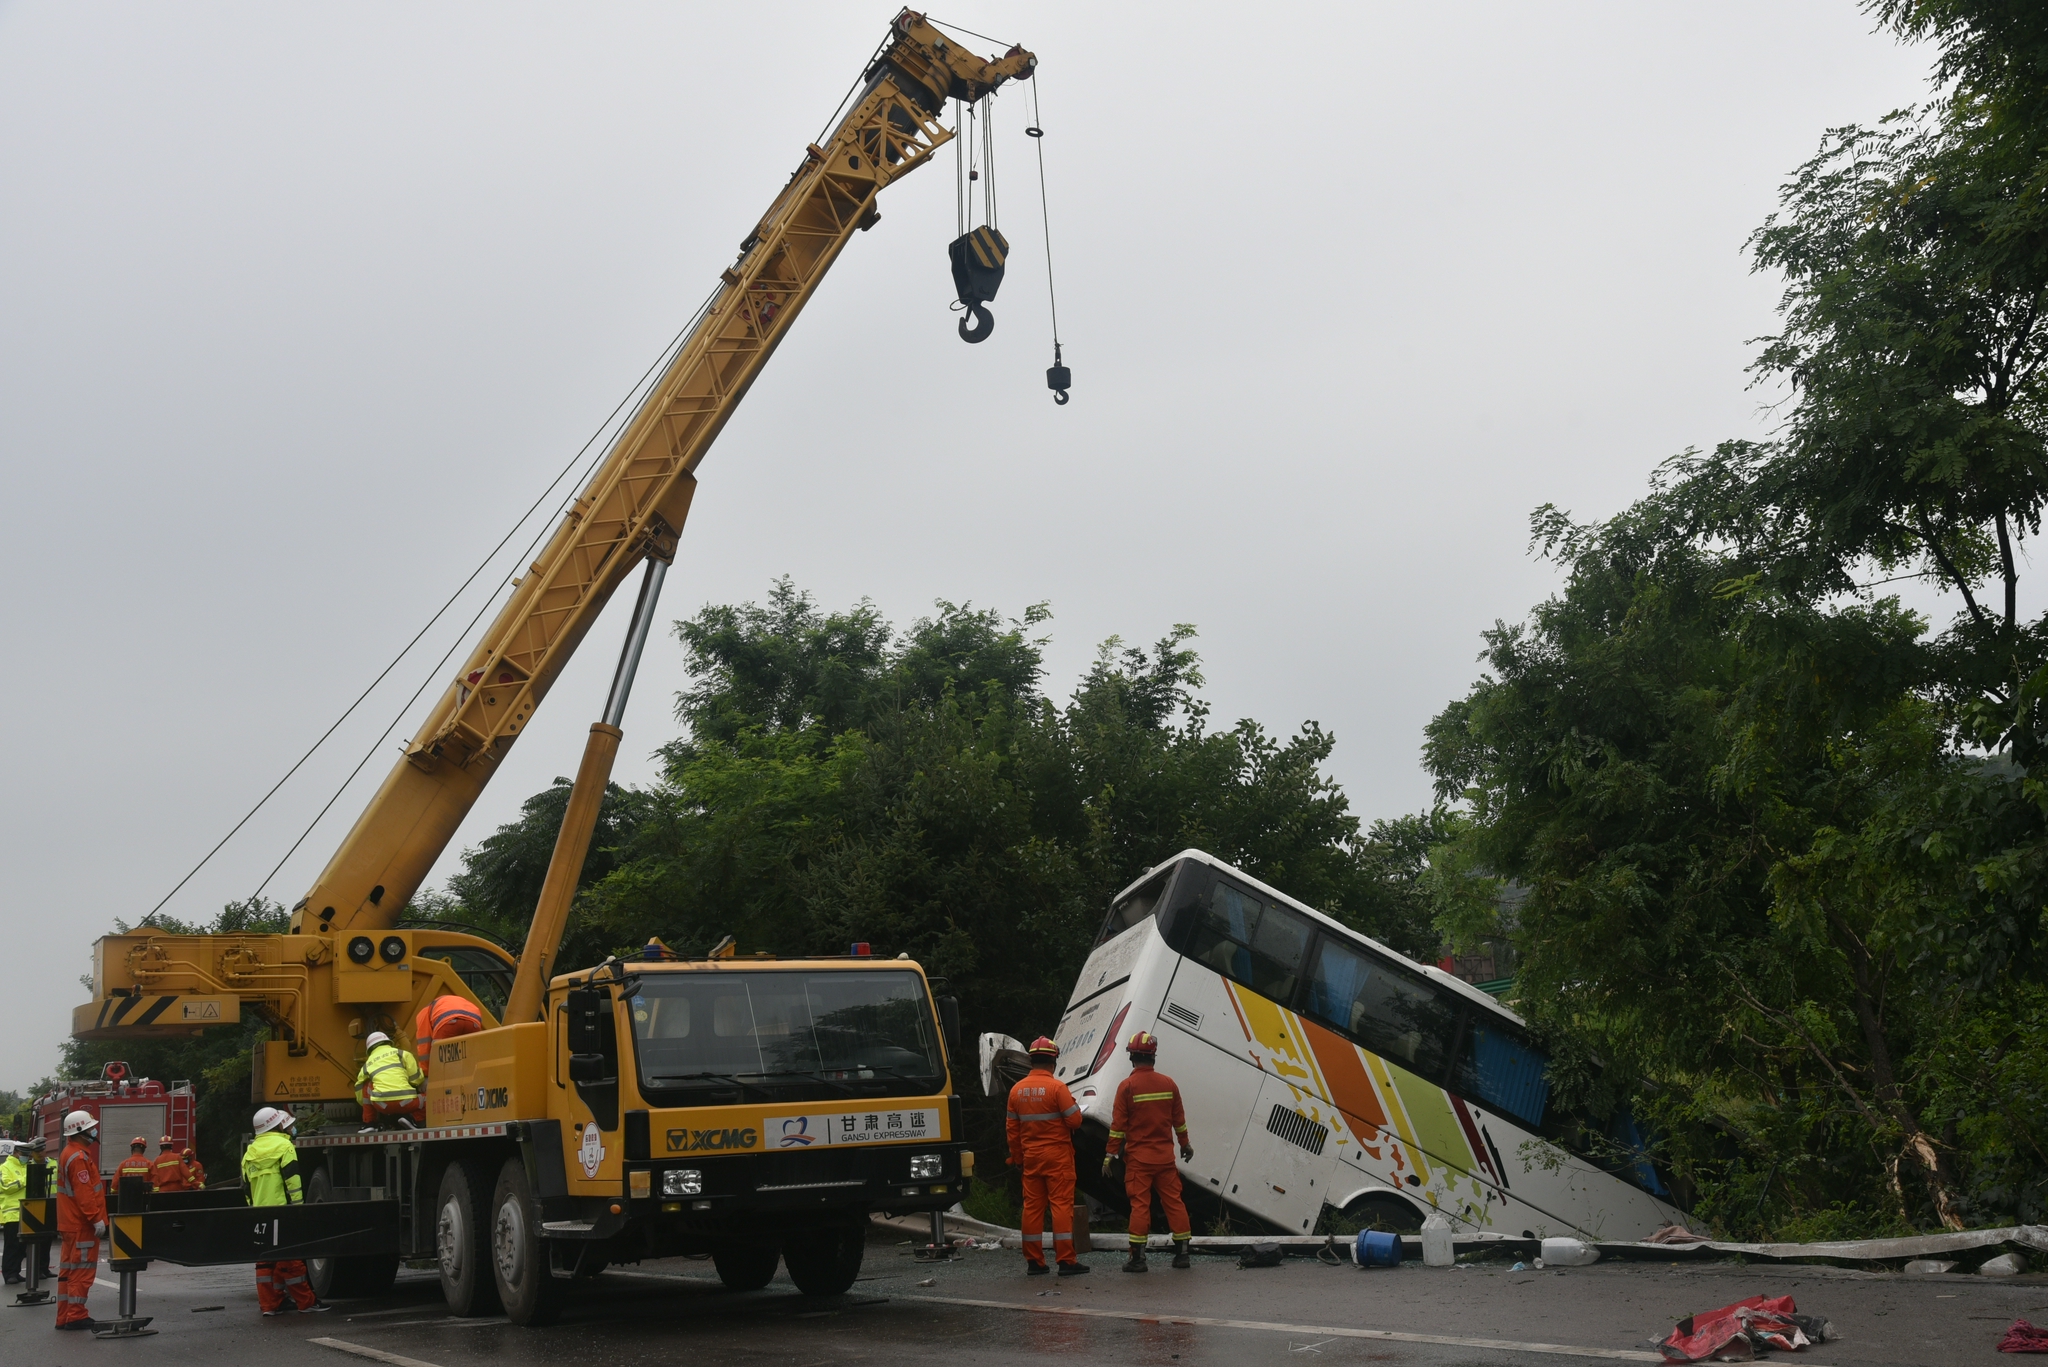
x=1180, y=1254
x=1036, y=1269
x=1074, y=1269
x=1136, y=1262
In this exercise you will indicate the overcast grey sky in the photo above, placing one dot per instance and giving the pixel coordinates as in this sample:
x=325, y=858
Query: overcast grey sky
x=300, y=306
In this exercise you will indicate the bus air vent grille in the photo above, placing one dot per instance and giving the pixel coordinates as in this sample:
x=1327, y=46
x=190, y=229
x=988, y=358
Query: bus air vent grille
x=1191, y=1019
x=1298, y=1129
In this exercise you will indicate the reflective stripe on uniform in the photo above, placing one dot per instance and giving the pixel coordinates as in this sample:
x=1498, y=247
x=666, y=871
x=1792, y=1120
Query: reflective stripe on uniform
x=1152, y=1096
x=1045, y=1115
x=1116, y=1134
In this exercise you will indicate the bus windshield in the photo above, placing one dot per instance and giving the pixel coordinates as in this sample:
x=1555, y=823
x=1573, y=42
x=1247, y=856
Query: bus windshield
x=727, y=1036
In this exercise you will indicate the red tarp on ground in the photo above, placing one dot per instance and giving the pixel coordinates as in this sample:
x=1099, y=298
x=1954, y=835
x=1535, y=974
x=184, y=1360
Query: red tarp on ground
x=1736, y=1331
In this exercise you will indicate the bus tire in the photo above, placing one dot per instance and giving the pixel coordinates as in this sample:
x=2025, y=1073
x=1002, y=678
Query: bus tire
x=826, y=1262
x=462, y=1244
x=745, y=1267
x=343, y=1278
x=1386, y=1211
x=526, y=1284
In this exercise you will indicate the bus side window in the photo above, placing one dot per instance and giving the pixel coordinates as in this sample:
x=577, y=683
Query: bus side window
x=1393, y=1015
x=1503, y=1070
x=1249, y=942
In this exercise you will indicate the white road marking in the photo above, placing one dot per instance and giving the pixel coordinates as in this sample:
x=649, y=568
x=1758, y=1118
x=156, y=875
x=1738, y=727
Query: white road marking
x=102, y=1281
x=442, y=1319
x=374, y=1354
x=1310, y=1330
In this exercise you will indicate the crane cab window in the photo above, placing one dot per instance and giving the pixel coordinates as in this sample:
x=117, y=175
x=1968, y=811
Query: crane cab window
x=482, y=973
x=784, y=1036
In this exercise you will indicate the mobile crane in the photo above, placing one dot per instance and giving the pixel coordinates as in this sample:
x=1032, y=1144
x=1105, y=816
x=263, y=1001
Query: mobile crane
x=753, y=1108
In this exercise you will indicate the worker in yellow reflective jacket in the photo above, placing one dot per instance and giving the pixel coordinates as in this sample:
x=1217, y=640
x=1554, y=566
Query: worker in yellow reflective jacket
x=389, y=1085
x=13, y=1184
x=270, y=1175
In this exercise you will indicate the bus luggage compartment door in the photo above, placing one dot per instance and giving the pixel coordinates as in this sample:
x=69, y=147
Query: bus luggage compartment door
x=1283, y=1166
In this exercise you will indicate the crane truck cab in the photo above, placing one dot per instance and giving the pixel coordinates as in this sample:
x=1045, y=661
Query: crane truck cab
x=757, y=1109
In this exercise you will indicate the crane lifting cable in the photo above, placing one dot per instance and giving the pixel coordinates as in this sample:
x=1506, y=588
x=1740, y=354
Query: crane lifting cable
x=978, y=254
x=1058, y=378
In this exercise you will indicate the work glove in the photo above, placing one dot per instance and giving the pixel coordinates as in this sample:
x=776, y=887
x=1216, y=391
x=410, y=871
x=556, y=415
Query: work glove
x=1187, y=1155
x=99, y=1229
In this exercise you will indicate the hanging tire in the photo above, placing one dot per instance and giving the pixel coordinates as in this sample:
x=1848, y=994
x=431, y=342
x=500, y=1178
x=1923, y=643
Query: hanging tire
x=826, y=1262
x=745, y=1267
x=527, y=1288
x=346, y=1278
x=462, y=1242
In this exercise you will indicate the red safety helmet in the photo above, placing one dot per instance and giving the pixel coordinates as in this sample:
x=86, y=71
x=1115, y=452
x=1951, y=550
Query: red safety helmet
x=1144, y=1042
x=138, y=1142
x=1044, y=1046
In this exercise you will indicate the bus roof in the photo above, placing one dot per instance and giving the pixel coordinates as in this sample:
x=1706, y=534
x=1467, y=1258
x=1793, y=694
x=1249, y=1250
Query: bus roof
x=1430, y=971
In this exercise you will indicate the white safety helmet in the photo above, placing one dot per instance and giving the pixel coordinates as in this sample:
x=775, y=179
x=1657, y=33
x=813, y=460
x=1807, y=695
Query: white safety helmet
x=376, y=1038
x=266, y=1119
x=80, y=1121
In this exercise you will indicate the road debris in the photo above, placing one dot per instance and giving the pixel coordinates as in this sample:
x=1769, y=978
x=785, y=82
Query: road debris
x=1736, y=1332
x=2024, y=1337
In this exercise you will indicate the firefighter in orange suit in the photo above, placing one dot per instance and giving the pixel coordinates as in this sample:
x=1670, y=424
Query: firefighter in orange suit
x=1145, y=1126
x=81, y=1218
x=1041, y=1123
x=168, y=1172
x=136, y=1164
x=443, y=1018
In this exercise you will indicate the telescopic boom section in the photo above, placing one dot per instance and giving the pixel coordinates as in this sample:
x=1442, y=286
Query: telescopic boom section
x=634, y=506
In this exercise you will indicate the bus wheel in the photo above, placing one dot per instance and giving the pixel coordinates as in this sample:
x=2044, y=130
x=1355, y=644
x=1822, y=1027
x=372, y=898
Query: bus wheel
x=825, y=1262
x=1385, y=1211
x=461, y=1245
x=343, y=1278
x=746, y=1267
x=519, y=1256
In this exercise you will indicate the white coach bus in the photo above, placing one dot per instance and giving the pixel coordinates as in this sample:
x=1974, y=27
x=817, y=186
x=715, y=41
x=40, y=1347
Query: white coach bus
x=1322, y=1068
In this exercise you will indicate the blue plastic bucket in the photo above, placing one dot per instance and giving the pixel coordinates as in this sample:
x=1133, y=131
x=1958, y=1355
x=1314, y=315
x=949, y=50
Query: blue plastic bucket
x=1377, y=1248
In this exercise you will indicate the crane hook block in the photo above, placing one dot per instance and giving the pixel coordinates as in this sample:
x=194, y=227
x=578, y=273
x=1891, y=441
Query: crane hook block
x=977, y=274
x=1059, y=380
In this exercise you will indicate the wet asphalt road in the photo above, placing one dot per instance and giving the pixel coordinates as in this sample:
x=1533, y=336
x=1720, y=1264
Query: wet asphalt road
x=981, y=1309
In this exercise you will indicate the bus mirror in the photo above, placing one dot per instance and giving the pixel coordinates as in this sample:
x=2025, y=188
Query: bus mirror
x=949, y=1022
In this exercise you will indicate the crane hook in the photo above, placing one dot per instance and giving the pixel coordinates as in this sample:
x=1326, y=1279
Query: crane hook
x=1058, y=378
x=985, y=323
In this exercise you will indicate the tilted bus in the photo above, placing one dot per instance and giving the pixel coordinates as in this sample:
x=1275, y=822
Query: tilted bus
x=1321, y=1068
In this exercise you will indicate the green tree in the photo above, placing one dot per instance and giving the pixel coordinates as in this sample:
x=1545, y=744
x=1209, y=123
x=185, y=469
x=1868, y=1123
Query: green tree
x=838, y=780
x=1686, y=773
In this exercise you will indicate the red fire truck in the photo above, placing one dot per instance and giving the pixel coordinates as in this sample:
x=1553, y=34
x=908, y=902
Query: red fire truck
x=127, y=1106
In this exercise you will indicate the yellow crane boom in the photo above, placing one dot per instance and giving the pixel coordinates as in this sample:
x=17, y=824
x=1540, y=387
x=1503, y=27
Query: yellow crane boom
x=338, y=974
x=635, y=504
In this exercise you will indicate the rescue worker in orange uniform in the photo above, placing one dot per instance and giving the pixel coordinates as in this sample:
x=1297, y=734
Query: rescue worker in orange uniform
x=136, y=1164
x=1147, y=1122
x=1041, y=1123
x=195, y=1171
x=81, y=1218
x=443, y=1018
x=168, y=1172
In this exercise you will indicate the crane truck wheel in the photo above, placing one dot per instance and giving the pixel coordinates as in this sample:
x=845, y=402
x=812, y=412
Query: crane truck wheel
x=341, y=1278
x=527, y=1286
x=462, y=1243
x=825, y=1262
x=745, y=1267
